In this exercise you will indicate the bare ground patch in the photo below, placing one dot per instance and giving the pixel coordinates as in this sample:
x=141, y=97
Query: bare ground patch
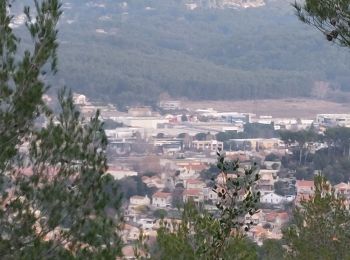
x=300, y=108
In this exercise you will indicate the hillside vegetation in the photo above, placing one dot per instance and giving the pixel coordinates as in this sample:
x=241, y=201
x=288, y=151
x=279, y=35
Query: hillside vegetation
x=131, y=53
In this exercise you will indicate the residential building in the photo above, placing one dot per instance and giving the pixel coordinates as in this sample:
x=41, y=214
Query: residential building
x=209, y=194
x=272, y=198
x=120, y=173
x=258, y=143
x=123, y=133
x=170, y=104
x=161, y=199
x=303, y=186
x=211, y=145
x=333, y=119
x=140, y=200
x=143, y=122
x=79, y=99
x=305, y=189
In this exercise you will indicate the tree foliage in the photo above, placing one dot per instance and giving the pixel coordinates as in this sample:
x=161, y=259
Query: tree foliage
x=144, y=51
x=56, y=200
x=333, y=160
x=331, y=17
x=320, y=228
x=271, y=250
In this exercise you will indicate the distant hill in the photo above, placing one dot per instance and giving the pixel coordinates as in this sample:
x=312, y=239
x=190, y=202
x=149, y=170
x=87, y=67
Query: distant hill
x=129, y=52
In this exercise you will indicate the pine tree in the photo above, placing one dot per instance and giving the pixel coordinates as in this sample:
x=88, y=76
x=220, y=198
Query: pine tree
x=56, y=199
x=321, y=226
x=331, y=17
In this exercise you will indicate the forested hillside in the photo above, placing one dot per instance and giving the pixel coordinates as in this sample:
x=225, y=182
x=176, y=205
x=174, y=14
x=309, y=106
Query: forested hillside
x=131, y=51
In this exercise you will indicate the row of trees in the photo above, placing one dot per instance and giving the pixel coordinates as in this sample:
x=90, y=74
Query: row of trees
x=147, y=50
x=333, y=160
x=336, y=138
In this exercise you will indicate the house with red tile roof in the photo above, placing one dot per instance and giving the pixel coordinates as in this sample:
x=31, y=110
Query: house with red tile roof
x=303, y=186
x=305, y=191
x=161, y=199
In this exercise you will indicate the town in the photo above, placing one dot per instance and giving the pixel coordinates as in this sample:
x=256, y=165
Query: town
x=167, y=156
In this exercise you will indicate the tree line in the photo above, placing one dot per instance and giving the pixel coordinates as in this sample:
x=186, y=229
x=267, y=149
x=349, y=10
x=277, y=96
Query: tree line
x=332, y=160
x=147, y=50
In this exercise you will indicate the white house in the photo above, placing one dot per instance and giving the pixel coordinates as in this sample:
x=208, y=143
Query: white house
x=140, y=200
x=161, y=199
x=212, y=145
x=120, y=173
x=272, y=198
x=79, y=99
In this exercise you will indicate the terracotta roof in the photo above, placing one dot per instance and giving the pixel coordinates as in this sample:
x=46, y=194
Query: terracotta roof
x=193, y=192
x=196, y=168
x=194, y=181
x=160, y=194
x=271, y=217
x=304, y=183
x=240, y=157
x=258, y=230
